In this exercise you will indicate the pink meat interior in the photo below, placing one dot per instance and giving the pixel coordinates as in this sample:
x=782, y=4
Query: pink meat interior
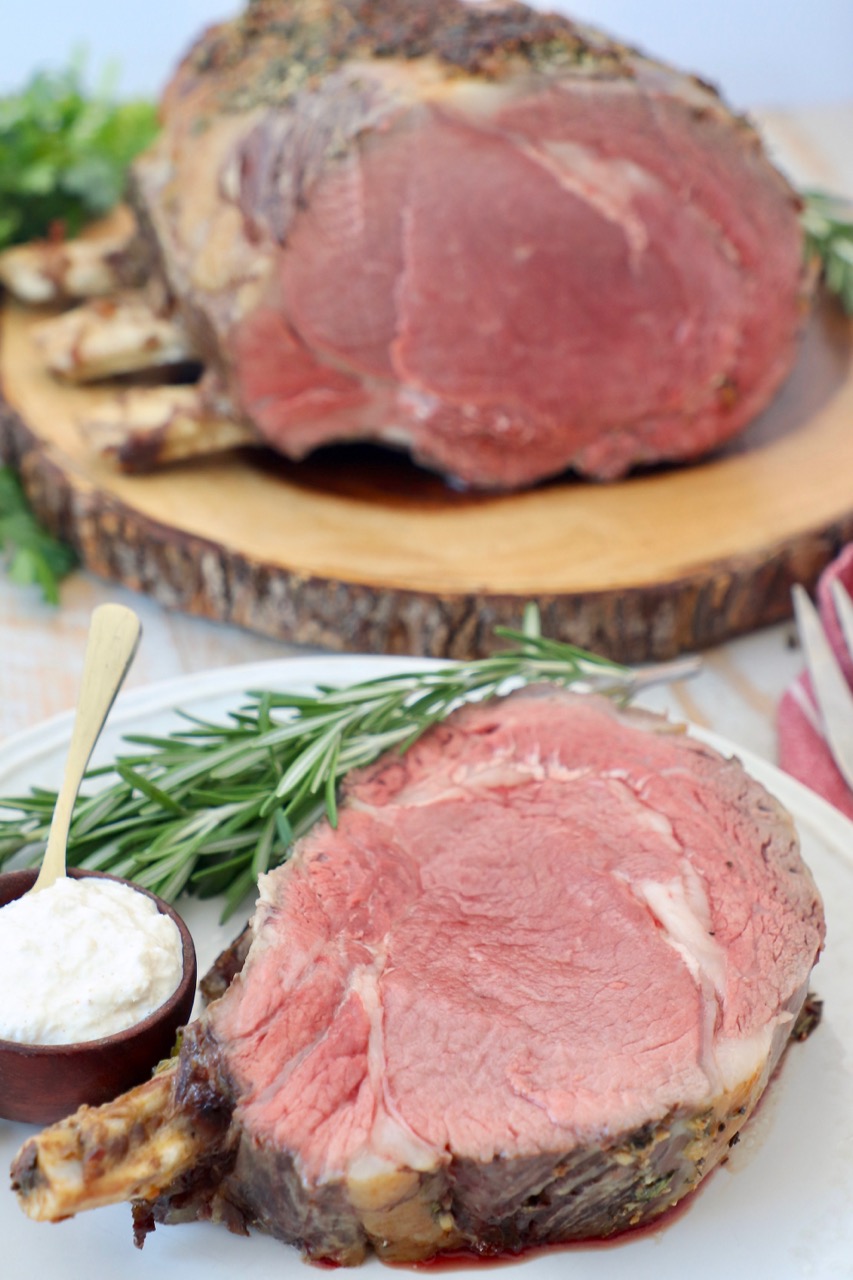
x=543, y=925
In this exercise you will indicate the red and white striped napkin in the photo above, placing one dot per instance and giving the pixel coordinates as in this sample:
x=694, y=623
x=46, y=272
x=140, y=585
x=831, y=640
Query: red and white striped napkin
x=802, y=750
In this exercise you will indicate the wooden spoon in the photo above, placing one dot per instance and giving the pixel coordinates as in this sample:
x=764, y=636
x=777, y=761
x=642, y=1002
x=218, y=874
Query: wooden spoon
x=113, y=637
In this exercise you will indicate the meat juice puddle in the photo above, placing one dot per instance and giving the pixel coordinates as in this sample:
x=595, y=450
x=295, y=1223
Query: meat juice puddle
x=366, y=473
x=380, y=476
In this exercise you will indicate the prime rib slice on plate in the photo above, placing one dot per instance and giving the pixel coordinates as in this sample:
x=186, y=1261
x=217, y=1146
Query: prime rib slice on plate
x=527, y=991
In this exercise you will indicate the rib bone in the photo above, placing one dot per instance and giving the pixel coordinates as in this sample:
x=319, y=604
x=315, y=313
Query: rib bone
x=44, y=271
x=110, y=336
x=145, y=427
x=129, y=1149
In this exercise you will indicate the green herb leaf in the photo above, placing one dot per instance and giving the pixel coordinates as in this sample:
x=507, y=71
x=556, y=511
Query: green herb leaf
x=207, y=807
x=828, y=224
x=33, y=556
x=64, y=153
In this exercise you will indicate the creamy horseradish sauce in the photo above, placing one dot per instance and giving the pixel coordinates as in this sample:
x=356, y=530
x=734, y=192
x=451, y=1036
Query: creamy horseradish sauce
x=83, y=959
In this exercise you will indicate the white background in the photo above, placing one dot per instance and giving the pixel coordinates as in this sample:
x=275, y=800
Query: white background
x=759, y=52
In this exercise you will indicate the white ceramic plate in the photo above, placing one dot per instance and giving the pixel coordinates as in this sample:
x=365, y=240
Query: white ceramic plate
x=781, y=1207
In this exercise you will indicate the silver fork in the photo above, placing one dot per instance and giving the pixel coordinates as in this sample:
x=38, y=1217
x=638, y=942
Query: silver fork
x=831, y=690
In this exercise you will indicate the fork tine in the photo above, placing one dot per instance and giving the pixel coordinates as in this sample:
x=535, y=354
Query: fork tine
x=831, y=690
x=844, y=610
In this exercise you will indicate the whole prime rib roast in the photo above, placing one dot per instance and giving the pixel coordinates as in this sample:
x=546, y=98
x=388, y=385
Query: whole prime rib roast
x=483, y=234
x=527, y=991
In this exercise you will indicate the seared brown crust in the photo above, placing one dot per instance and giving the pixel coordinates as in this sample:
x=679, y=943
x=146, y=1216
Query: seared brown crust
x=172, y=1146
x=279, y=45
x=226, y=966
x=593, y=1193
x=203, y=1096
x=498, y=1208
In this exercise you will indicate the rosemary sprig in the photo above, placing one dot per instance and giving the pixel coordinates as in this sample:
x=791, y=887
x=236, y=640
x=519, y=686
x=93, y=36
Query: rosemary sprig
x=828, y=224
x=209, y=807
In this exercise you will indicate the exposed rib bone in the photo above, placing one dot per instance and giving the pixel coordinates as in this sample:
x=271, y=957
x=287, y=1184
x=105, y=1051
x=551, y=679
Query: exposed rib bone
x=44, y=271
x=145, y=427
x=128, y=1149
x=110, y=336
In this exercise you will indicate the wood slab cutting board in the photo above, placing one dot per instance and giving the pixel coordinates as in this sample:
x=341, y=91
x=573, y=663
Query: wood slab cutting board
x=359, y=550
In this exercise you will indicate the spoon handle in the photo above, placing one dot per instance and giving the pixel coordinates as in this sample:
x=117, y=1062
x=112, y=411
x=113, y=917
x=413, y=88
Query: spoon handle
x=113, y=637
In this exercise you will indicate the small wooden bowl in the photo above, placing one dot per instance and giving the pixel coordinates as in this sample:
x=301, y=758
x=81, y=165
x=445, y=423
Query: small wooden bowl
x=43, y=1083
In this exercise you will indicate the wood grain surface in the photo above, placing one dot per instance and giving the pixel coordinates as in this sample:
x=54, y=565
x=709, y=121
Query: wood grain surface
x=360, y=550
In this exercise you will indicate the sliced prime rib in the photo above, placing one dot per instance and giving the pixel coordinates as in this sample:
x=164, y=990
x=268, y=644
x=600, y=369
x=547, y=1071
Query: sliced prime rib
x=486, y=235
x=527, y=991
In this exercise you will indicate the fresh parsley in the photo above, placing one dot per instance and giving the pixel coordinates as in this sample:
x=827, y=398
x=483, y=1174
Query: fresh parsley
x=64, y=153
x=32, y=555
